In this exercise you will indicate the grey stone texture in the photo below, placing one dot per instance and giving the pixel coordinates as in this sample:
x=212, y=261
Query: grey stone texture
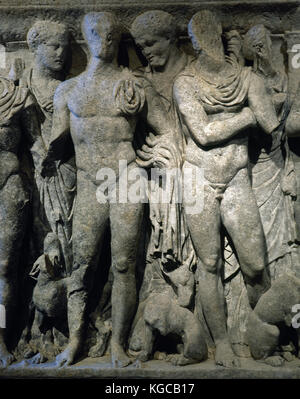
x=112, y=286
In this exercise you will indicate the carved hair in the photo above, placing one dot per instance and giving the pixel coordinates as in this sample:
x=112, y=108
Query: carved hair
x=157, y=22
x=255, y=35
x=42, y=31
x=92, y=19
x=206, y=29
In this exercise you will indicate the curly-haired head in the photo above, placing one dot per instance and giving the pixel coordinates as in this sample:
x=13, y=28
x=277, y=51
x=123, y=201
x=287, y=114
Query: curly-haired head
x=43, y=31
x=155, y=22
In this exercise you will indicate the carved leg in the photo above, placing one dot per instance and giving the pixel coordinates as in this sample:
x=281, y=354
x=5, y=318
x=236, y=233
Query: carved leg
x=35, y=335
x=76, y=320
x=205, y=232
x=89, y=223
x=263, y=339
x=41, y=340
x=241, y=218
x=125, y=231
x=13, y=214
x=149, y=335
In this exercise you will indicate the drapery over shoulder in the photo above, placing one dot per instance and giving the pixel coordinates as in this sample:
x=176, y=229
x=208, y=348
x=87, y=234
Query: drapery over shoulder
x=12, y=99
x=233, y=91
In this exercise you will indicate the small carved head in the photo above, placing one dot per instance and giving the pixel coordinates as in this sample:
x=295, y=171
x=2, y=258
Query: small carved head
x=49, y=42
x=53, y=255
x=102, y=32
x=155, y=32
x=257, y=43
x=205, y=32
x=50, y=264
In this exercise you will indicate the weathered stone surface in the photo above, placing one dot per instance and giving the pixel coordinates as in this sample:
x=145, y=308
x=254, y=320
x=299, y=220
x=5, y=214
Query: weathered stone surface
x=148, y=194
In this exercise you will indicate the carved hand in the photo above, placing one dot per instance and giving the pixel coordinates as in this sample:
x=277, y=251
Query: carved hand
x=160, y=151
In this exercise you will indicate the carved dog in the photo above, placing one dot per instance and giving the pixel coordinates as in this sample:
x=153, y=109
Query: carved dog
x=49, y=300
x=273, y=310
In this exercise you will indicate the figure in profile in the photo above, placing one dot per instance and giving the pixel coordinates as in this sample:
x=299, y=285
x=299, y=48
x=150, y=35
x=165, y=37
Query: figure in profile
x=272, y=169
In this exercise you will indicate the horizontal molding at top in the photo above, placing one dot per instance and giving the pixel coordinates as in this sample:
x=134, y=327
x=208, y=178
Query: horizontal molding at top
x=11, y=4
x=17, y=16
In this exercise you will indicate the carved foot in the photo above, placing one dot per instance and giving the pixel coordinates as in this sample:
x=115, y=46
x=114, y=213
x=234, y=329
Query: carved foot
x=143, y=356
x=119, y=358
x=100, y=347
x=67, y=357
x=37, y=359
x=180, y=360
x=97, y=350
x=274, y=361
x=29, y=353
x=225, y=356
x=6, y=358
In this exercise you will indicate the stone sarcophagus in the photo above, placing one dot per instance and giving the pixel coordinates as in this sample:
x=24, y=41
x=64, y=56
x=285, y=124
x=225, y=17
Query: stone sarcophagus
x=149, y=189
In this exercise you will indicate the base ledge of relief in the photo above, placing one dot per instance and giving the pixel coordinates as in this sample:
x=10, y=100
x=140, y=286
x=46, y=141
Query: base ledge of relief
x=158, y=369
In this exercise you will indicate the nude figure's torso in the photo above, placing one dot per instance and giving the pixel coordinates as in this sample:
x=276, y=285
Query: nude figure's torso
x=205, y=100
x=101, y=134
x=227, y=159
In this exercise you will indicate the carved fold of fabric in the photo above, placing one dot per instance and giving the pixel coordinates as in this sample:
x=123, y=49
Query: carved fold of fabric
x=58, y=202
x=276, y=215
x=45, y=103
x=171, y=246
x=12, y=99
x=129, y=96
x=232, y=92
x=170, y=241
x=56, y=193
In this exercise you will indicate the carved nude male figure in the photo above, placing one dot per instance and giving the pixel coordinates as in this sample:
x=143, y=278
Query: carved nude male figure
x=218, y=101
x=99, y=109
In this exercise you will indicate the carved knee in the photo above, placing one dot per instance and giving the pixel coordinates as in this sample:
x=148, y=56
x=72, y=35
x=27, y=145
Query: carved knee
x=254, y=270
x=211, y=264
x=123, y=264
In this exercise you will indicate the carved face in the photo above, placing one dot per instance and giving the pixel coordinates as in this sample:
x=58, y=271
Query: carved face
x=52, y=54
x=54, y=255
x=257, y=43
x=262, y=48
x=102, y=41
x=156, y=49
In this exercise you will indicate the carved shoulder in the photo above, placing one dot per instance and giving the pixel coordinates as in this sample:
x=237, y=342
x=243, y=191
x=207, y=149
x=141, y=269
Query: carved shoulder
x=184, y=88
x=62, y=93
